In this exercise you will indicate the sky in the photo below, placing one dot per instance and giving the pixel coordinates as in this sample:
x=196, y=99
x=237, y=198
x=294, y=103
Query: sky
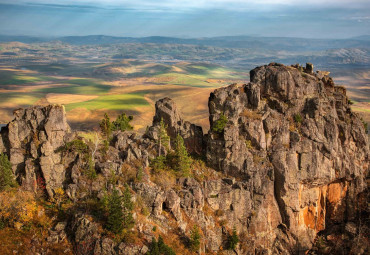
x=186, y=18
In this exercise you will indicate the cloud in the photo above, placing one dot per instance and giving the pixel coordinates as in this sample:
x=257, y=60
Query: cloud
x=202, y=4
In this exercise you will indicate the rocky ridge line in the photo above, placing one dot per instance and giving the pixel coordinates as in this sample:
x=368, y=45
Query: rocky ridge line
x=295, y=154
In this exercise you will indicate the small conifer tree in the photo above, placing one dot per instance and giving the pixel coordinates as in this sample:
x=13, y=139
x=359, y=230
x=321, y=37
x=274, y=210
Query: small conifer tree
x=233, y=240
x=115, y=213
x=6, y=175
x=163, y=138
x=195, y=239
x=153, y=248
x=128, y=206
x=122, y=123
x=220, y=124
x=182, y=159
x=159, y=248
x=106, y=127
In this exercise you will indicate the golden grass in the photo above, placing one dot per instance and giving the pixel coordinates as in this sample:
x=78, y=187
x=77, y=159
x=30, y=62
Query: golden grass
x=68, y=98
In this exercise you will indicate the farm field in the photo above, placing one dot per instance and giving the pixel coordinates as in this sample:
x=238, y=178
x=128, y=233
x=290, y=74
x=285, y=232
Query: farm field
x=90, y=80
x=89, y=90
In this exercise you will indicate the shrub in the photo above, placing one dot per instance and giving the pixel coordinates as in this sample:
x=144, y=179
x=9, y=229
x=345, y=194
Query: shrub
x=232, y=240
x=248, y=143
x=77, y=145
x=365, y=125
x=122, y=123
x=140, y=174
x=129, y=173
x=298, y=118
x=164, y=179
x=159, y=248
x=6, y=175
x=219, y=125
x=195, y=239
x=19, y=208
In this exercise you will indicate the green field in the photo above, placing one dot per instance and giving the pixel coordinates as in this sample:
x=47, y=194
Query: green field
x=89, y=89
x=21, y=99
x=112, y=102
x=78, y=86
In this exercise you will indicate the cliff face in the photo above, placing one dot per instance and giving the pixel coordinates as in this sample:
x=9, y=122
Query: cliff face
x=292, y=133
x=290, y=160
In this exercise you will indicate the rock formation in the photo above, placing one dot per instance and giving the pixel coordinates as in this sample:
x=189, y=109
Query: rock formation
x=290, y=163
x=31, y=140
x=166, y=109
x=293, y=134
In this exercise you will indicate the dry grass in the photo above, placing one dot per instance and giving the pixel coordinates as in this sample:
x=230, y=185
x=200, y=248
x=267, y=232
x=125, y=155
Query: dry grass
x=68, y=98
x=250, y=114
x=165, y=179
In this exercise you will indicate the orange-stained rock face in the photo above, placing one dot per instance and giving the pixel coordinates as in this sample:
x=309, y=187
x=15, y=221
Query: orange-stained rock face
x=309, y=216
x=336, y=192
x=329, y=205
x=335, y=201
x=313, y=215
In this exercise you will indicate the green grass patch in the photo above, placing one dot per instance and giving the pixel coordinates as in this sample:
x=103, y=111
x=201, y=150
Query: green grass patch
x=78, y=86
x=185, y=80
x=21, y=99
x=112, y=102
x=207, y=71
x=358, y=109
x=11, y=78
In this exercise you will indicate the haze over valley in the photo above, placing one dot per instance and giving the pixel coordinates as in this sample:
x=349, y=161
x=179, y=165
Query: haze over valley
x=92, y=75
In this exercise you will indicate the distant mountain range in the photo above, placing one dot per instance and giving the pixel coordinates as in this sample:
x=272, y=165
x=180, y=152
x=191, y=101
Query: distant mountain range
x=272, y=43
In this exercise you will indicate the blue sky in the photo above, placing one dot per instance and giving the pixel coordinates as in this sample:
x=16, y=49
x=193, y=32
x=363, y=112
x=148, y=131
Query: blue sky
x=186, y=18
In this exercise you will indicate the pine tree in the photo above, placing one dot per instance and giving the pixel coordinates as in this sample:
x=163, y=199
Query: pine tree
x=122, y=123
x=128, y=206
x=159, y=248
x=115, y=213
x=182, y=159
x=233, y=240
x=195, y=239
x=106, y=127
x=6, y=174
x=163, y=138
x=161, y=244
x=153, y=248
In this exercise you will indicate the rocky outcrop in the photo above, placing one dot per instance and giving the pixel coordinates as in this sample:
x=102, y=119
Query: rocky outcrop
x=287, y=162
x=297, y=129
x=192, y=134
x=31, y=140
x=133, y=147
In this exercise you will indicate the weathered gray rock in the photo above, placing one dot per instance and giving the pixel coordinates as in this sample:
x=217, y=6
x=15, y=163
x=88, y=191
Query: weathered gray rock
x=293, y=139
x=86, y=234
x=32, y=140
x=132, y=147
x=166, y=109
